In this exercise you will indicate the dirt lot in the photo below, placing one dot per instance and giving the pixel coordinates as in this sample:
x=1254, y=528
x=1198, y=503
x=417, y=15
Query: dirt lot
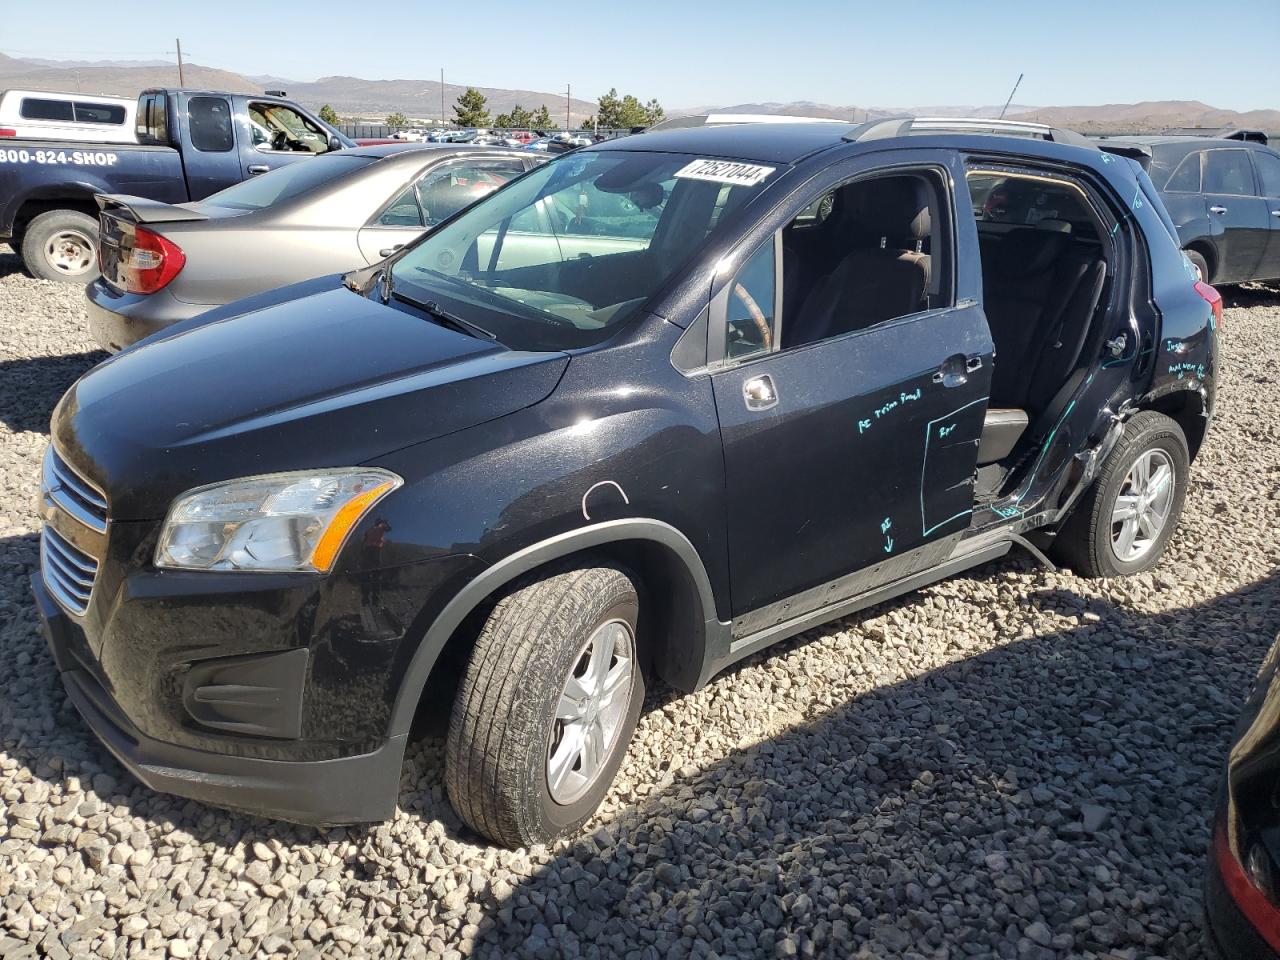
x=1014, y=763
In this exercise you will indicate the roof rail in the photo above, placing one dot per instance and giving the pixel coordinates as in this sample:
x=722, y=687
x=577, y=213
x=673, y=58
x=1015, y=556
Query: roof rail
x=714, y=119
x=906, y=125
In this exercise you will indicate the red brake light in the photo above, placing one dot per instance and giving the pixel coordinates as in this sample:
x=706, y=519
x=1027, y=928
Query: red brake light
x=1261, y=912
x=1212, y=297
x=152, y=262
x=7, y=132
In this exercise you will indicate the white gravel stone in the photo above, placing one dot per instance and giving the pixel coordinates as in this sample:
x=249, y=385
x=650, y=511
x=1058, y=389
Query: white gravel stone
x=1012, y=763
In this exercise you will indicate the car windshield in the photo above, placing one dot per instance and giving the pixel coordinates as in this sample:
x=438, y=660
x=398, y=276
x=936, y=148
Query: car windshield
x=286, y=182
x=564, y=255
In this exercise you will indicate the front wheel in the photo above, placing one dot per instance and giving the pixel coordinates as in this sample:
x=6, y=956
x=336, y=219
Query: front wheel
x=1124, y=521
x=62, y=245
x=547, y=706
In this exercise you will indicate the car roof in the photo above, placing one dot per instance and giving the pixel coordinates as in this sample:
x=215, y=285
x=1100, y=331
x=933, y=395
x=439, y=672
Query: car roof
x=408, y=148
x=761, y=142
x=1182, y=140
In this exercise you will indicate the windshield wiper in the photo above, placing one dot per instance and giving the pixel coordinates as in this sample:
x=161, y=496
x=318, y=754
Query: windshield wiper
x=434, y=309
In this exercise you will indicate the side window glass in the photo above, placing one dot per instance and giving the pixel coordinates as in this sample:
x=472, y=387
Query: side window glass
x=749, y=319
x=210, y=120
x=1269, y=173
x=98, y=113
x=403, y=211
x=1186, y=179
x=283, y=129
x=1229, y=172
x=443, y=191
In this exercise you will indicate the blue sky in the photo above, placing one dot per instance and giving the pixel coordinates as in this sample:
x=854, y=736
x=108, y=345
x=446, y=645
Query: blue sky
x=886, y=54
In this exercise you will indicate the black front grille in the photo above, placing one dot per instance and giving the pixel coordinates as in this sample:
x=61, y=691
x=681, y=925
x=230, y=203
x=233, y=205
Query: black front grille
x=69, y=573
x=71, y=492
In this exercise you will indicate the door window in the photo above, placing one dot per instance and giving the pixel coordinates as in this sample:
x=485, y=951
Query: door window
x=1186, y=179
x=1229, y=172
x=443, y=191
x=210, y=121
x=1268, y=173
x=281, y=129
x=749, y=318
x=866, y=253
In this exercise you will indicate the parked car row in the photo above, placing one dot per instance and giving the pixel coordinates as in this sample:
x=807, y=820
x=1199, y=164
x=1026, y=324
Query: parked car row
x=190, y=144
x=451, y=418
x=162, y=263
x=1224, y=198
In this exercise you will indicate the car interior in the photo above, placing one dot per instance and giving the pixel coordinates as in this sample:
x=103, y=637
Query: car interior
x=863, y=254
x=1044, y=271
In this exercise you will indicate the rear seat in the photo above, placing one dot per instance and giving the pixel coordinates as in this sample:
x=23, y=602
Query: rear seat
x=1040, y=293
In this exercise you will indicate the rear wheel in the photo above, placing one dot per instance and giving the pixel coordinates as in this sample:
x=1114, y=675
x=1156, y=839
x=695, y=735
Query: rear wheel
x=1200, y=263
x=1124, y=521
x=547, y=706
x=62, y=245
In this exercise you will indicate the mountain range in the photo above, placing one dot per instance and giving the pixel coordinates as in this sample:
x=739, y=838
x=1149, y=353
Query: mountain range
x=420, y=99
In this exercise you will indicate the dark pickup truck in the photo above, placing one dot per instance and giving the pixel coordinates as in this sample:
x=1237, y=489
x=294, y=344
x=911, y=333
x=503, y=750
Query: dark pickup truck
x=191, y=143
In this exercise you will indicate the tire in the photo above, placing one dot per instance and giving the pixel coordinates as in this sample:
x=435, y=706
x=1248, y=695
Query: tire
x=1199, y=262
x=62, y=245
x=504, y=733
x=1092, y=540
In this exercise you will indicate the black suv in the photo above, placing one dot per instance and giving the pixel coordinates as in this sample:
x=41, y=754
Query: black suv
x=644, y=411
x=1223, y=195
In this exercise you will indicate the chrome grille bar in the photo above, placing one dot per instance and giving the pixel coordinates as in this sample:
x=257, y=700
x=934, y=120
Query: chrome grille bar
x=68, y=573
x=73, y=493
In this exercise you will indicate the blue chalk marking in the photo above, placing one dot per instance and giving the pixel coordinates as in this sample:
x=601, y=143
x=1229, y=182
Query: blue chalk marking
x=885, y=524
x=928, y=431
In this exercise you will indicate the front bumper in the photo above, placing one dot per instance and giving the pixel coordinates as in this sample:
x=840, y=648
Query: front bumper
x=354, y=789
x=1230, y=931
x=118, y=320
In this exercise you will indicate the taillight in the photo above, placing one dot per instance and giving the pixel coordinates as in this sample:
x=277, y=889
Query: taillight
x=152, y=262
x=1260, y=912
x=1212, y=297
x=7, y=132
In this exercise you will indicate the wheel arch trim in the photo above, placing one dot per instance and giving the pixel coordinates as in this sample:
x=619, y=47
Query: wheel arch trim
x=714, y=633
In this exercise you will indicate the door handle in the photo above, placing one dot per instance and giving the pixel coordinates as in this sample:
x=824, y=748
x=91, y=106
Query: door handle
x=388, y=251
x=256, y=168
x=759, y=393
x=954, y=371
x=973, y=363
x=1275, y=213
x=1217, y=209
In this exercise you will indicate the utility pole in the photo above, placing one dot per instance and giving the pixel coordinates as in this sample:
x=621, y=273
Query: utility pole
x=1010, y=100
x=442, y=96
x=181, y=80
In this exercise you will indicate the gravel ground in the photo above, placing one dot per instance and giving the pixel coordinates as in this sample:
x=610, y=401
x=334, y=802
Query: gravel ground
x=1014, y=763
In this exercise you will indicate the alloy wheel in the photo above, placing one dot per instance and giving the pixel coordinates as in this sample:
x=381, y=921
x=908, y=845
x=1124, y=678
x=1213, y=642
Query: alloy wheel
x=1142, y=507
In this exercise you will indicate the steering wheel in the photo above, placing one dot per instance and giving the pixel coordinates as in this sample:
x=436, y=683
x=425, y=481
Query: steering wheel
x=757, y=315
x=280, y=140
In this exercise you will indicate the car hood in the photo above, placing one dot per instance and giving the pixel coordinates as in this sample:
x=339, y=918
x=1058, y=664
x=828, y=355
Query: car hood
x=328, y=379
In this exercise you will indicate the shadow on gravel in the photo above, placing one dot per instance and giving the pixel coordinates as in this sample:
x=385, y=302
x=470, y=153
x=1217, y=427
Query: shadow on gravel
x=1046, y=799
x=10, y=262
x=942, y=816
x=1252, y=295
x=33, y=385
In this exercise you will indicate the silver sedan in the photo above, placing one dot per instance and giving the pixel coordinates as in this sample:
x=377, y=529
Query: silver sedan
x=162, y=263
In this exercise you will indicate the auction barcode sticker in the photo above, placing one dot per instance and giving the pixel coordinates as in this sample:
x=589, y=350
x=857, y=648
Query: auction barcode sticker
x=724, y=171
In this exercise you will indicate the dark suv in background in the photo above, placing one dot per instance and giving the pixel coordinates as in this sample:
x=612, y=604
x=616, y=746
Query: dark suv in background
x=647, y=409
x=1224, y=197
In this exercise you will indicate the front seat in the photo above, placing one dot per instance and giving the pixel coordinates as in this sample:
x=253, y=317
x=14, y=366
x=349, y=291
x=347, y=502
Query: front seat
x=886, y=273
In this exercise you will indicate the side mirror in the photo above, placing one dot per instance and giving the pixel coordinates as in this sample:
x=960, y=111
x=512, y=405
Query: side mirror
x=335, y=143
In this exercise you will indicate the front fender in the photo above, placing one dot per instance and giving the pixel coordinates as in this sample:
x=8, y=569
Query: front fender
x=708, y=646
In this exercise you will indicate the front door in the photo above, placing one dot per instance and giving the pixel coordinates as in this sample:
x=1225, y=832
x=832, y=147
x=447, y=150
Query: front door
x=848, y=459
x=1268, y=164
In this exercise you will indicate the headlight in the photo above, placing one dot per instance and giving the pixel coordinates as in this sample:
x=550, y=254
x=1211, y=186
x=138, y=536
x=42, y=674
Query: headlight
x=280, y=522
